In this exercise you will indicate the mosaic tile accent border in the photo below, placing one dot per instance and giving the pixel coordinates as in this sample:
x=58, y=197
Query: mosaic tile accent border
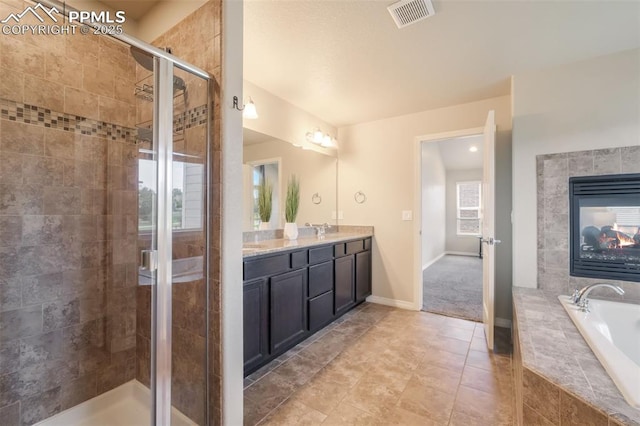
x=191, y=118
x=39, y=116
x=44, y=117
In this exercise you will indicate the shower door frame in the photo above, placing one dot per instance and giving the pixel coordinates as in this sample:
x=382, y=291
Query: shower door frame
x=161, y=314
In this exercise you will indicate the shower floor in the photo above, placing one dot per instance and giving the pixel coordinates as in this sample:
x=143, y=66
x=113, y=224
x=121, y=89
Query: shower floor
x=127, y=405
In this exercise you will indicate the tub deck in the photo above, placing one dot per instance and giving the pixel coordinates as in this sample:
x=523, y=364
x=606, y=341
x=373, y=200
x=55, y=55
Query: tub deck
x=551, y=347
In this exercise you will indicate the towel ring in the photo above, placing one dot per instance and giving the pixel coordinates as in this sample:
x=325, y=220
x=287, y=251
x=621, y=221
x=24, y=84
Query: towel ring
x=316, y=198
x=359, y=197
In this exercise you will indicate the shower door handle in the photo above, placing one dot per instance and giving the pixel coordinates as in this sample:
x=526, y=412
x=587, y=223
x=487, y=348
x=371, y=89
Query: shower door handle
x=149, y=260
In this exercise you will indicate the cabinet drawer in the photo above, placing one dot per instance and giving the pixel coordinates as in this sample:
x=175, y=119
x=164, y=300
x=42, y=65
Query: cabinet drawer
x=320, y=311
x=298, y=259
x=265, y=266
x=355, y=246
x=339, y=250
x=367, y=244
x=320, y=278
x=319, y=255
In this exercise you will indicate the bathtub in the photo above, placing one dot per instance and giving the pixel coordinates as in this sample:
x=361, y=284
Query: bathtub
x=612, y=330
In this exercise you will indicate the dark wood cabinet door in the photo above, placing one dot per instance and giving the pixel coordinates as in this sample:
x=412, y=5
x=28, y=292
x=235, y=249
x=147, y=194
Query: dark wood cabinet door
x=256, y=316
x=320, y=311
x=288, y=293
x=363, y=275
x=344, y=279
x=320, y=279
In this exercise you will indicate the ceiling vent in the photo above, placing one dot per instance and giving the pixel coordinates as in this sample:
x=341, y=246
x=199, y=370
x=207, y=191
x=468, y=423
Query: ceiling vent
x=407, y=12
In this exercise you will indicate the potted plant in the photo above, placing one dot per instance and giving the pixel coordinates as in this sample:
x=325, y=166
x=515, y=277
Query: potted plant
x=265, y=198
x=291, y=208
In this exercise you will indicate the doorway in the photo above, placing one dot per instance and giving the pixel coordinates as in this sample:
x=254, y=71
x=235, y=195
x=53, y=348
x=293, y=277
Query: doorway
x=452, y=171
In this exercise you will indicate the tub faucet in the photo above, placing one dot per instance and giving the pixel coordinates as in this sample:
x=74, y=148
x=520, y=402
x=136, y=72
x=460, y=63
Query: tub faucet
x=580, y=297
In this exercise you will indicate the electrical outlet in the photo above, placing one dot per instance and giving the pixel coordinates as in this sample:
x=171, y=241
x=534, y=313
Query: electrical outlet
x=340, y=215
x=407, y=215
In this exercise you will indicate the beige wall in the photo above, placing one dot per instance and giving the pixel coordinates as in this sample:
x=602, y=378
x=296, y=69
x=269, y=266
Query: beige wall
x=454, y=242
x=281, y=120
x=587, y=105
x=433, y=203
x=378, y=158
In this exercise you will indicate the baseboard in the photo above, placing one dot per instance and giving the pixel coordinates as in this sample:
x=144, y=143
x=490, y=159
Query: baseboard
x=462, y=253
x=431, y=262
x=503, y=322
x=391, y=302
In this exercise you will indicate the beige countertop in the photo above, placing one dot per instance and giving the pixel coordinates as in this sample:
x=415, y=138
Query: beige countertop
x=251, y=249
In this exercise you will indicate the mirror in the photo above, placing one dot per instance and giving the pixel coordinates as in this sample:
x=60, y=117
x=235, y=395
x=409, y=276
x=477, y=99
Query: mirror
x=276, y=160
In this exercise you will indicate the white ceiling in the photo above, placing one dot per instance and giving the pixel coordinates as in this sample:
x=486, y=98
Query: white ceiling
x=455, y=153
x=346, y=62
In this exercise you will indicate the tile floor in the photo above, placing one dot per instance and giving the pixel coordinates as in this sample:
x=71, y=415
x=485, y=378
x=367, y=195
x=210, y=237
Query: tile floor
x=383, y=366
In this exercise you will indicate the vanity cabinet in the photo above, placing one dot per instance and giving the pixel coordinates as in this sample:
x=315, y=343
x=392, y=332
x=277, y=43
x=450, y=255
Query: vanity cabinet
x=288, y=308
x=363, y=275
x=345, y=276
x=290, y=295
x=321, y=284
x=255, y=322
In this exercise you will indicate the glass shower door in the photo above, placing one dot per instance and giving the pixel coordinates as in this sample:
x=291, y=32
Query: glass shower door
x=172, y=220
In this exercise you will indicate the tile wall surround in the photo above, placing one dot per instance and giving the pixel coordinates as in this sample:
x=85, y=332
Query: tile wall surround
x=70, y=320
x=553, y=173
x=559, y=381
x=68, y=223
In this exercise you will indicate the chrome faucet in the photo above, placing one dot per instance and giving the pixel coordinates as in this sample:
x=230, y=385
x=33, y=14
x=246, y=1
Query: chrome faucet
x=320, y=228
x=580, y=297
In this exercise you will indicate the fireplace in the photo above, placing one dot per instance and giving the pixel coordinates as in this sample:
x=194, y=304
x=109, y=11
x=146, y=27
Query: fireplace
x=605, y=227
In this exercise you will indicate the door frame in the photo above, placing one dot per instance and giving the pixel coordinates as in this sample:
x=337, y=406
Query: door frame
x=417, y=201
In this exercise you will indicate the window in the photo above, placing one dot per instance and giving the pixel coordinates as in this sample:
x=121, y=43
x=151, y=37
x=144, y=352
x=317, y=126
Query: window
x=468, y=195
x=187, y=200
x=266, y=171
x=258, y=178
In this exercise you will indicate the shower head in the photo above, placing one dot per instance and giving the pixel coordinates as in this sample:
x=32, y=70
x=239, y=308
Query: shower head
x=146, y=61
x=143, y=58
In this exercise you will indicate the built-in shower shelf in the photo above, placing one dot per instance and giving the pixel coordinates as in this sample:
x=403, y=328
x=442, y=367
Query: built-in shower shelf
x=145, y=132
x=144, y=91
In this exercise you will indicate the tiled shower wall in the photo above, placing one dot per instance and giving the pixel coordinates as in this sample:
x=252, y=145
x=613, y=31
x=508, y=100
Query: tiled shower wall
x=553, y=173
x=68, y=222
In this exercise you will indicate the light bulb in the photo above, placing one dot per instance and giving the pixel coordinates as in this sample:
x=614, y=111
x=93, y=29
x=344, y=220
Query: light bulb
x=249, y=110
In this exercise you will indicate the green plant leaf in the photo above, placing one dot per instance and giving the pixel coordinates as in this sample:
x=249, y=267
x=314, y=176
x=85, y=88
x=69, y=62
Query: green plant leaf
x=265, y=198
x=293, y=199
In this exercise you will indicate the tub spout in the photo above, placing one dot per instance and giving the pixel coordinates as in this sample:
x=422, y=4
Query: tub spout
x=580, y=297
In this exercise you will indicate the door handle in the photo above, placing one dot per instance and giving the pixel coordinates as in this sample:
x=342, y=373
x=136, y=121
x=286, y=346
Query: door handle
x=490, y=241
x=149, y=260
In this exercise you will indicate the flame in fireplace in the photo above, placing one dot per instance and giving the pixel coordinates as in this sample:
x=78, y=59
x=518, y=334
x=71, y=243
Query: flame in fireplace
x=612, y=238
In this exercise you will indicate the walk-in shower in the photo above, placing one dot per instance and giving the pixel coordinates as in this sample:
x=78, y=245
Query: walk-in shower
x=103, y=232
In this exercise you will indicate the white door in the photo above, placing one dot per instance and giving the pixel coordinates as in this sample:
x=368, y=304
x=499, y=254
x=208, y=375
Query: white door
x=488, y=228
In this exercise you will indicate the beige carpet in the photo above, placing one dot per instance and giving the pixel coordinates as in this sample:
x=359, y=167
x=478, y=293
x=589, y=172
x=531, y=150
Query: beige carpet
x=453, y=287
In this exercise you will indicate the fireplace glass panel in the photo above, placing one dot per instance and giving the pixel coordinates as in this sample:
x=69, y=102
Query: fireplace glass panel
x=610, y=233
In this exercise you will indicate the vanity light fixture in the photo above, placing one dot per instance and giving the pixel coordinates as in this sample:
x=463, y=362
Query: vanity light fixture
x=323, y=139
x=473, y=149
x=248, y=110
